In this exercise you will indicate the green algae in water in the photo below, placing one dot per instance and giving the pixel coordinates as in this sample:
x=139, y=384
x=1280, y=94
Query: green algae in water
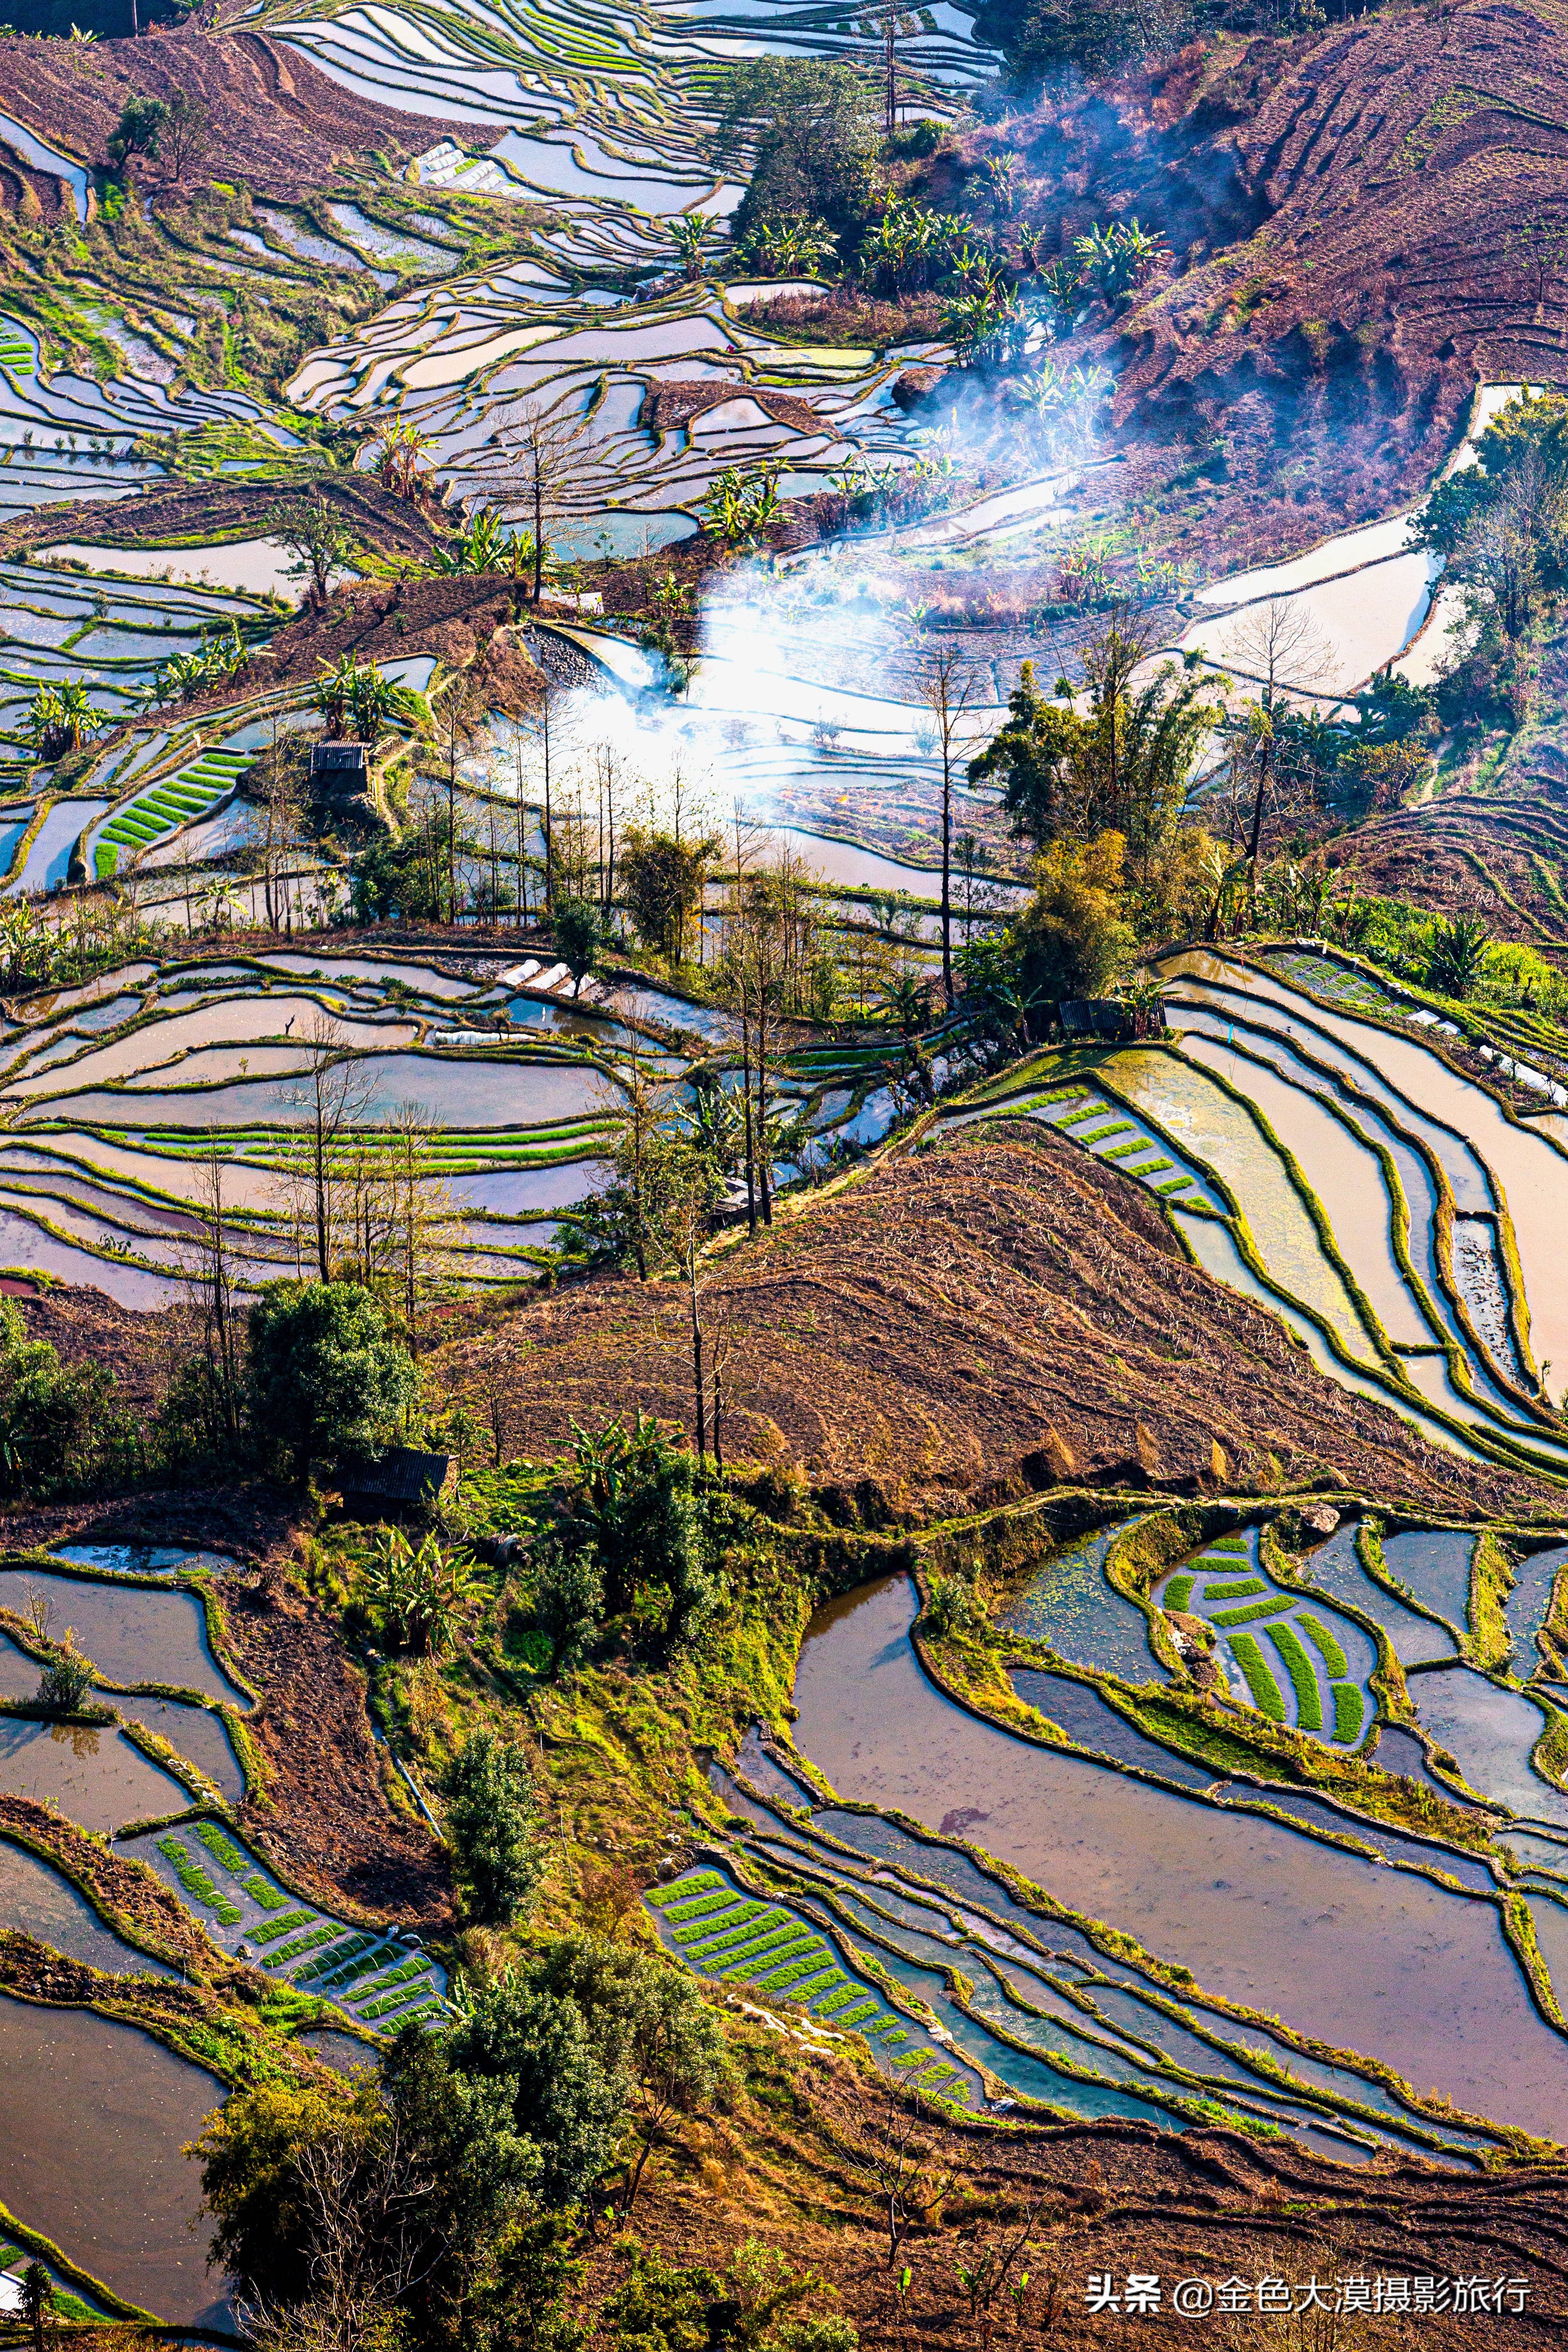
x=1071, y=1605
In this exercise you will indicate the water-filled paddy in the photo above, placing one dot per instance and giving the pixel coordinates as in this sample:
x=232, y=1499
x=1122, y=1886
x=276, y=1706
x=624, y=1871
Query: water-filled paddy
x=133, y=1634
x=1365, y=1957
x=93, y=1772
x=93, y=2117
x=1073, y=1606
x=1335, y=1569
x=39, y=1901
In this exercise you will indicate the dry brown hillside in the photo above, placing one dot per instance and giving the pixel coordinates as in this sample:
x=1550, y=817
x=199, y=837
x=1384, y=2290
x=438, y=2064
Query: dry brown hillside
x=1350, y=217
x=958, y=1324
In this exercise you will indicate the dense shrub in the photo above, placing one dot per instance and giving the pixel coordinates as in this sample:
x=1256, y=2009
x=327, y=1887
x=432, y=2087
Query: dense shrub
x=491, y=1823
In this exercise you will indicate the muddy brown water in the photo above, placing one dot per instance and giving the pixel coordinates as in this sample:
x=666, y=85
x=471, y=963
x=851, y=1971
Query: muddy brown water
x=198, y=1733
x=92, y=1772
x=132, y=1634
x=1365, y=1958
x=93, y=2116
x=39, y=1901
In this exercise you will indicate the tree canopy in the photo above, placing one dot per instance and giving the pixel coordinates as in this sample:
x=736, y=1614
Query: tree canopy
x=326, y=1376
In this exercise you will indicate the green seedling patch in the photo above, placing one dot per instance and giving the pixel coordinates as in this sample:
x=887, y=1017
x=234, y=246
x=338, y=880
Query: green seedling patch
x=1178, y=1592
x=1303, y=1680
x=1264, y=1690
x=1326, y=1646
x=1243, y=1590
x=1349, y=1712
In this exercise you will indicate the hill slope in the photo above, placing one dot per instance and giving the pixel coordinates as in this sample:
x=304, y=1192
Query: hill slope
x=962, y=1325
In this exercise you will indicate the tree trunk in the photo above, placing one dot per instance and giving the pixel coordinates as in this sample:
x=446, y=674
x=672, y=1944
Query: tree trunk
x=947, y=865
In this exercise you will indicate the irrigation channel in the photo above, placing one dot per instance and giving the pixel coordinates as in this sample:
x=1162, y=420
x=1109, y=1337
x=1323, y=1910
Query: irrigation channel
x=97, y=2104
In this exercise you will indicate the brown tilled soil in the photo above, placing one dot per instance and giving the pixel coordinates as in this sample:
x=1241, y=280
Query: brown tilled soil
x=200, y=512
x=957, y=1328
x=326, y=1817
x=1114, y=2198
x=124, y=1890
x=277, y=121
x=1472, y=854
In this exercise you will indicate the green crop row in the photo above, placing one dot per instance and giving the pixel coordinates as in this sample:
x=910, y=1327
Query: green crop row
x=1303, y=1680
x=1277, y=1605
x=1259, y=1681
x=794, y=1972
x=1178, y=1592
x=771, y=1955
x=1349, y=1709
x=197, y=1881
x=857, y=2016
x=758, y=1919
x=699, y=1920
x=276, y=1927
x=1102, y=1134
x=414, y=1967
x=397, y=2001
x=841, y=2000
x=222, y=1848
x=695, y=1910
x=1229, y=1543
x=269, y=1897
x=1323, y=1642
x=368, y=1964
x=325, y=1934
x=1241, y=1588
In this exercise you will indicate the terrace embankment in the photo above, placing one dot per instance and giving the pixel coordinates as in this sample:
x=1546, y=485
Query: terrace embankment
x=197, y=514
x=1338, y=209
x=957, y=1327
x=1108, y=2198
x=1474, y=853
x=284, y=125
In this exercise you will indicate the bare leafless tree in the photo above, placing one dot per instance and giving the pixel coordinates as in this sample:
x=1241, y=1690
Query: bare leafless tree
x=536, y=453
x=362, y=2211
x=1277, y=646
x=950, y=688
x=897, y=2152
x=336, y=1091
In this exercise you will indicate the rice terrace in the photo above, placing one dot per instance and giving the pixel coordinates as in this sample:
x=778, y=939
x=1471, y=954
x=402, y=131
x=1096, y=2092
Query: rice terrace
x=784, y=1164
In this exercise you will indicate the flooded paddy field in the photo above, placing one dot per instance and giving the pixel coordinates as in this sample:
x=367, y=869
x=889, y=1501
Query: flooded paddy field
x=96, y=2116
x=1418, y=1974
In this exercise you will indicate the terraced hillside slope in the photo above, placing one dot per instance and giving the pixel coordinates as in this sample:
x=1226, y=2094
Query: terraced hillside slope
x=976, y=1320
x=285, y=124
x=1361, y=225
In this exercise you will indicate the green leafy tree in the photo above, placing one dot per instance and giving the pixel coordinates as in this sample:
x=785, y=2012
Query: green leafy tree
x=569, y=1602
x=662, y=2306
x=579, y=936
x=662, y=881
x=561, y=2085
x=634, y=1501
x=326, y=1377
x=252, y=2151
x=810, y=128
x=1124, y=764
x=418, y=1592
x=65, y=1681
x=318, y=543
x=61, y=1425
x=1457, y=960
x=37, y=2302
x=521, y=2305
x=492, y=1823
x=649, y=2024
x=139, y=132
